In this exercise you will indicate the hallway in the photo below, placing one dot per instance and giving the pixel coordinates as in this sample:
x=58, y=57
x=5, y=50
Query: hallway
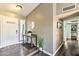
x=69, y=48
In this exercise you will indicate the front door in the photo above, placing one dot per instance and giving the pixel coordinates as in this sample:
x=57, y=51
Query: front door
x=9, y=31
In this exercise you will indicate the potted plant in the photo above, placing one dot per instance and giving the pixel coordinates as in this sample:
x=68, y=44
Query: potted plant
x=40, y=44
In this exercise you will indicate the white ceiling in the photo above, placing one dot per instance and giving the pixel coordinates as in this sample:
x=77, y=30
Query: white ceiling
x=11, y=8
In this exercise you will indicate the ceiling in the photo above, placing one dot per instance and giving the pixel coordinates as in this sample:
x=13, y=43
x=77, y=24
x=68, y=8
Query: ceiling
x=11, y=8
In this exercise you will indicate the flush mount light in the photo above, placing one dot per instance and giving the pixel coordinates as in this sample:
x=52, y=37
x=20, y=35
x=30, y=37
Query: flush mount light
x=18, y=6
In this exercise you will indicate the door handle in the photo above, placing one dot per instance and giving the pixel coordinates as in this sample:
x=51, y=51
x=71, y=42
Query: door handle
x=16, y=31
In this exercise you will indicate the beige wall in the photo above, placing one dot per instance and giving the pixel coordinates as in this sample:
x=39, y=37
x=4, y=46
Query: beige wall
x=43, y=18
x=57, y=33
x=54, y=28
x=63, y=5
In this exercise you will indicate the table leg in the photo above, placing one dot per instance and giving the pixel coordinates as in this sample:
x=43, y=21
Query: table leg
x=23, y=39
x=36, y=41
x=27, y=40
x=31, y=41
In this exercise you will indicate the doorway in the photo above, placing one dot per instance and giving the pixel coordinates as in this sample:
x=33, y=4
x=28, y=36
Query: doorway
x=71, y=28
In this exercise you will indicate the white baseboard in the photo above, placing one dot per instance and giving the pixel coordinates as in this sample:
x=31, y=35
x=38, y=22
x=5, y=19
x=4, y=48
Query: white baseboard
x=33, y=53
x=37, y=51
x=9, y=45
x=58, y=49
x=46, y=52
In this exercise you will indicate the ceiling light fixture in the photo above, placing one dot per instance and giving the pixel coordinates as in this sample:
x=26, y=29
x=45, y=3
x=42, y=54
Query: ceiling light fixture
x=18, y=6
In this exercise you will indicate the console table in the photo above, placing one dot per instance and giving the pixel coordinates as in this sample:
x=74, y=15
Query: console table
x=31, y=37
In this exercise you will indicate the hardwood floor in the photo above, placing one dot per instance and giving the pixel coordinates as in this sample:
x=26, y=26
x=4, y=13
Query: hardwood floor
x=40, y=53
x=70, y=48
x=16, y=50
x=19, y=50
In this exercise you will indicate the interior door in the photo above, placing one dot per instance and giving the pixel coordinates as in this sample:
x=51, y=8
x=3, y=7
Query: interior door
x=68, y=31
x=9, y=31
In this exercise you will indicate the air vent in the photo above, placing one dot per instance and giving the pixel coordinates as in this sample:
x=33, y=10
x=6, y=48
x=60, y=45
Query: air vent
x=68, y=8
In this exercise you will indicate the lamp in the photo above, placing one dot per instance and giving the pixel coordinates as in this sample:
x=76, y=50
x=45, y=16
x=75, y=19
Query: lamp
x=19, y=7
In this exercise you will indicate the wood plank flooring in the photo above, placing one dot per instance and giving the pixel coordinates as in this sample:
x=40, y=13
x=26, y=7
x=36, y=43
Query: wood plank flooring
x=19, y=50
x=40, y=53
x=16, y=50
x=70, y=48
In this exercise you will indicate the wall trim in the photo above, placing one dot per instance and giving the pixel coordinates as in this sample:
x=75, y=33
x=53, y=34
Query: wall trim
x=32, y=53
x=40, y=50
x=58, y=49
x=9, y=45
x=46, y=52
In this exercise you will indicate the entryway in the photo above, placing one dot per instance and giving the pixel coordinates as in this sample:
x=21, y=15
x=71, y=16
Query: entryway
x=11, y=37
x=10, y=30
